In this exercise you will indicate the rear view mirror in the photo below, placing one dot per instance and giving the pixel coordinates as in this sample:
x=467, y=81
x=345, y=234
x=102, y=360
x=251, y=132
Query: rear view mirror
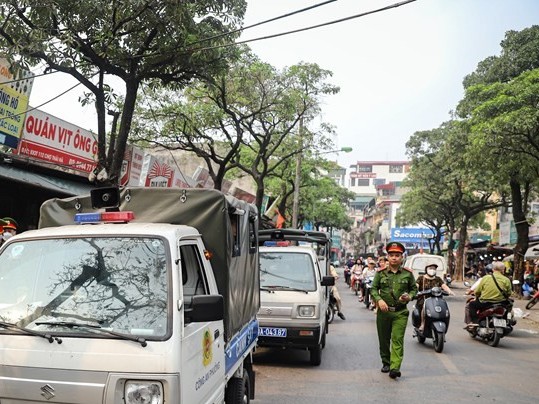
x=328, y=281
x=205, y=308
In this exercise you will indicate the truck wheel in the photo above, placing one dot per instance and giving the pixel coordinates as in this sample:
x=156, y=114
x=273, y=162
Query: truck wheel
x=316, y=355
x=238, y=390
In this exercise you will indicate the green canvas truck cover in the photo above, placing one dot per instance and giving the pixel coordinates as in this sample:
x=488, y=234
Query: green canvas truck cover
x=208, y=211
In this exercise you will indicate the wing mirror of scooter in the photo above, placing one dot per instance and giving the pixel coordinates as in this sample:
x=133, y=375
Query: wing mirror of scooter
x=467, y=284
x=516, y=282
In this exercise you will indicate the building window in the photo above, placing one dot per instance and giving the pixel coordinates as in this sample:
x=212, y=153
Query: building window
x=388, y=192
x=395, y=168
x=378, y=181
x=362, y=182
x=364, y=169
x=352, y=182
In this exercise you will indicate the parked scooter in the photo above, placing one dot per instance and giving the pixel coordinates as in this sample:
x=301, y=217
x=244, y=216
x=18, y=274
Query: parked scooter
x=436, y=318
x=495, y=322
x=533, y=300
x=369, y=303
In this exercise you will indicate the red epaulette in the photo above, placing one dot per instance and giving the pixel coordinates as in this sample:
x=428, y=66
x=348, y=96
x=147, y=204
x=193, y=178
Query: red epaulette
x=408, y=269
x=381, y=269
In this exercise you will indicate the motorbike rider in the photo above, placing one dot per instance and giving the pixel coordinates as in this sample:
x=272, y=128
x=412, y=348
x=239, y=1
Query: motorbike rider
x=493, y=288
x=355, y=273
x=428, y=281
x=335, y=292
x=369, y=270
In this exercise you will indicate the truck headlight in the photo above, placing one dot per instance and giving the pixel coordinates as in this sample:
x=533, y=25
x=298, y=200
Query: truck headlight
x=143, y=392
x=306, y=311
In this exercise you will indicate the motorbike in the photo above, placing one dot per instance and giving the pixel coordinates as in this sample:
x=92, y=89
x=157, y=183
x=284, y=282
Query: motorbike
x=533, y=300
x=436, y=318
x=347, y=275
x=495, y=322
x=367, y=297
x=355, y=280
x=332, y=308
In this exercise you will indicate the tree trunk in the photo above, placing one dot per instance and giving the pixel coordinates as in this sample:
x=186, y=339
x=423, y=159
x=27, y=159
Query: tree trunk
x=131, y=89
x=463, y=235
x=522, y=228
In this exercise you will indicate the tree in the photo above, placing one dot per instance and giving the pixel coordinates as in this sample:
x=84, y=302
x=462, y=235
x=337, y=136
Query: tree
x=501, y=104
x=444, y=171
x=151, y=41
x=507, y=114
x=246, y=119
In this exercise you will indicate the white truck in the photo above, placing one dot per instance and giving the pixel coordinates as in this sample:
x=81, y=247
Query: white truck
x=294, y=284
x=153, y=300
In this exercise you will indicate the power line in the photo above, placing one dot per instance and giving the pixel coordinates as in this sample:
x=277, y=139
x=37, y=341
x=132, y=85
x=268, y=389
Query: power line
x=302, y=10
x=395, y=5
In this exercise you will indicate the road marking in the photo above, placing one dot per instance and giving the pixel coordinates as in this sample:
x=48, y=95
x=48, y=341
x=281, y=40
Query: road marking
x=449, y=365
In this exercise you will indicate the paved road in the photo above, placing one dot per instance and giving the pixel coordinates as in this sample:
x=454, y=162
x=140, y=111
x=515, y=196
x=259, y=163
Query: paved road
x=467, y=370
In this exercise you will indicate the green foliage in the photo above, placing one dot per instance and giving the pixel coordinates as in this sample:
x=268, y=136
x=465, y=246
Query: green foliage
x=153, y=41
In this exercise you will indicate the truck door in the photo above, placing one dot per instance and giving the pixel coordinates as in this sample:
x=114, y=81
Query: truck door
x=203, y=362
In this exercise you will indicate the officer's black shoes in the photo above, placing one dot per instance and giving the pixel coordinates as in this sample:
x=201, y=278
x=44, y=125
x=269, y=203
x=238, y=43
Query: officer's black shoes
x=341, y=315
x=394, y=373
x=385, y=369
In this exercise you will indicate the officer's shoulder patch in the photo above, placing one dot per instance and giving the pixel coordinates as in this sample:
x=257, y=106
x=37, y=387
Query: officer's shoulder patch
x=408, y=269
x=381, y=269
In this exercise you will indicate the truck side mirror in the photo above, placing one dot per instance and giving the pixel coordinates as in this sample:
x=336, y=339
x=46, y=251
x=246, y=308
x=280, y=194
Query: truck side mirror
x=328, y=281
x=205, y=308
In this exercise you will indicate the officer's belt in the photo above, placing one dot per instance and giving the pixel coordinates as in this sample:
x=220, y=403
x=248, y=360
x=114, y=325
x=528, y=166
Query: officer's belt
x=395, y=308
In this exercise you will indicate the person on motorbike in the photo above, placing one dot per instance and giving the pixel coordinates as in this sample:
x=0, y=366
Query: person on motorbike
x=335, y=292
x=369, y=270
x=356, y=272
x=425, y=282
x=493, y=288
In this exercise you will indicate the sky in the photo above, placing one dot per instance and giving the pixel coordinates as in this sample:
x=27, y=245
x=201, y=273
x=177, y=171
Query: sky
x=399, y=70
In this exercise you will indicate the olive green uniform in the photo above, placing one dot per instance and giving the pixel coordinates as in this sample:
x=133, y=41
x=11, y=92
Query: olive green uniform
x=391, y=325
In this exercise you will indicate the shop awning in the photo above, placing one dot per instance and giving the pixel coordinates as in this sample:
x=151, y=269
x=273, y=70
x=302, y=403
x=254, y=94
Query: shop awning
x=68, y=187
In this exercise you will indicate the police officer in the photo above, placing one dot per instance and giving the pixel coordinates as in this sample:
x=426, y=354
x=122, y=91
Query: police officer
x=9, y=226
x=392, y=288
x=2, y=223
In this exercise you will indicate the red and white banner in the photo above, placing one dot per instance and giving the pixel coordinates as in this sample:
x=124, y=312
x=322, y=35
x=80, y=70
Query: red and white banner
x=132, y=166
x=48, y=138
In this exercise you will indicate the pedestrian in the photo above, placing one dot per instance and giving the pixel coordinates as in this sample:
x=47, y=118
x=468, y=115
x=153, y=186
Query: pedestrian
x=392, y=288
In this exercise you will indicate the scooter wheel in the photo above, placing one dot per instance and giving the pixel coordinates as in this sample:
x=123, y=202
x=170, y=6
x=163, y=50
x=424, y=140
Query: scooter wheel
x=531, y=303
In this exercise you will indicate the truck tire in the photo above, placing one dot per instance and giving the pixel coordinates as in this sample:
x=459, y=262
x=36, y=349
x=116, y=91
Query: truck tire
x=238, y=390
x=316, y=355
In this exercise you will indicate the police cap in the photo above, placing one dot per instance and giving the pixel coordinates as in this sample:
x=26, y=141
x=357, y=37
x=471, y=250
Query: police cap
x=9, y=223
x=394, y=246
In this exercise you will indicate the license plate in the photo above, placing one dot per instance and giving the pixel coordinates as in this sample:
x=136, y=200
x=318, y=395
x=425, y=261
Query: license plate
x=499, y=322
x=272, y=332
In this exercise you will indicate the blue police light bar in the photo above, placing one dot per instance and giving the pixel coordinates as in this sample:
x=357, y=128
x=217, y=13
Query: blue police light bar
x=104, y=217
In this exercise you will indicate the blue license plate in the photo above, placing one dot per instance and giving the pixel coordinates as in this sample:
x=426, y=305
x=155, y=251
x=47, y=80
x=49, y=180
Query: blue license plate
x=272, y=332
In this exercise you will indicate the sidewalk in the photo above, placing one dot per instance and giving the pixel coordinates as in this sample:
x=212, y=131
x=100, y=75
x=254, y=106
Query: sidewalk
x=523, y=315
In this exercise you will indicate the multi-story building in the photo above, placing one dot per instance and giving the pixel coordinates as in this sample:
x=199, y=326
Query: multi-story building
x=377, y=185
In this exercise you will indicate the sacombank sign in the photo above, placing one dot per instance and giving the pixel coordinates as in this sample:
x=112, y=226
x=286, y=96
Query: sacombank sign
x=410, y=234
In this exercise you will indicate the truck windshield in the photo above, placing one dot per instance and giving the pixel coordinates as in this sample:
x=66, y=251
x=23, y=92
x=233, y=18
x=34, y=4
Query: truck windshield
x=288, y=270
x=119, y=283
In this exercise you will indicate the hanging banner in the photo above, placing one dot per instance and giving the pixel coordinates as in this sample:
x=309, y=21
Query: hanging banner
x=131, y=166
x=15, y=88
x=48, y=138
